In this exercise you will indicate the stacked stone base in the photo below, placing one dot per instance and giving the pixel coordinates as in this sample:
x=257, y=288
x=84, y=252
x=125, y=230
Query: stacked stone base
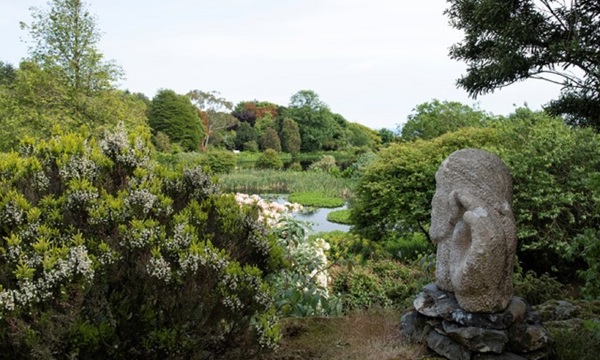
x=514, y=334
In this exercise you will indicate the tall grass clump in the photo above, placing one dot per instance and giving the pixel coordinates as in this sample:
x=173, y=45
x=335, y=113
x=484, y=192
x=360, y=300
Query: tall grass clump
x=279, y=181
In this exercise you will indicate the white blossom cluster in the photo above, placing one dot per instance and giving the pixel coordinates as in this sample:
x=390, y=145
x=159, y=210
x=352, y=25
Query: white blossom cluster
x=116, y=146
x=181, y=238
x=80, y=199
x=142, y=199
x=263, y=328
x=232, y=302
x=198, y=184
x=30, y=291
x=159, y=268
x=11, y=214
x=40, y=181
x=78, y=167
x=209, y=258
x=270, y=212
x=139, y=238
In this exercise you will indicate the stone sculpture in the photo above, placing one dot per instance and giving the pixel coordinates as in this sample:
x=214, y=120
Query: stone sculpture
x=470, y=312
x=473, y=227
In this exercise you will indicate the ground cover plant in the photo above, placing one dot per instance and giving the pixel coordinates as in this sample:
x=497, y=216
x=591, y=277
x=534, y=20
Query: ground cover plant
x=316, y=199
x=340, y=217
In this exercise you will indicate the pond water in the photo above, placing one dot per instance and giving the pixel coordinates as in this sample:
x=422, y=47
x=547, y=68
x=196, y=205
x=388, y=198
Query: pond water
x=317, y=219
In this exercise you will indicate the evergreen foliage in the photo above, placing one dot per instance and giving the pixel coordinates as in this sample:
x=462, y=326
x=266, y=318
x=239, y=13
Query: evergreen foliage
x=105, y=254
x=290, y=136
x=269, y=159
x=175, y=116
x=270, y=140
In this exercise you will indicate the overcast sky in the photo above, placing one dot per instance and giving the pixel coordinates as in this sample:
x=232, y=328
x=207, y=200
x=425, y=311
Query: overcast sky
x=372, y=61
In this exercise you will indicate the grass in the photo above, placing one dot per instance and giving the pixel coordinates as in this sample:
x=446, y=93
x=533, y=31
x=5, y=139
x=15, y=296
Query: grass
x=340, y=217
x=316, y=199
x=372, y=334
x=284, y=182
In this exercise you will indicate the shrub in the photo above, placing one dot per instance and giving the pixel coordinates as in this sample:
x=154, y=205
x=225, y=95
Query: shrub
x=326, y=164
x=108, y=254
x=270, y=140
x=295, y=166
x=162, y=142
x=408, y=247
x=220, y=161
x=269, y=160
x=251, y=146
x=382, y=283
x=537, y=289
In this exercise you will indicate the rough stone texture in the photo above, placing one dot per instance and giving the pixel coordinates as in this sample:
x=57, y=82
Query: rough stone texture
x=452, y=332
x=476, y=338
x=473, y=227
x=414, y=327
x=446, y=347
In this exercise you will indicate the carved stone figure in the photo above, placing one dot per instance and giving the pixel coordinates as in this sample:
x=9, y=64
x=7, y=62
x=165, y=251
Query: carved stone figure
x=473, y=227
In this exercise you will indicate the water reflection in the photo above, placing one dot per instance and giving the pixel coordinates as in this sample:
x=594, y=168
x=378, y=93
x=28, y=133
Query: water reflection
x=316, y=218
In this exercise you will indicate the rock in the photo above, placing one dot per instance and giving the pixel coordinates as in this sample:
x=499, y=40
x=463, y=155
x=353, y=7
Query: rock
x=414, y=327
x=505, y=356
x=558, y=310
x=525, y=338
x=476, y=338
x=434, y=302
x=473, y=227
x=447, y=348
x=516, y=311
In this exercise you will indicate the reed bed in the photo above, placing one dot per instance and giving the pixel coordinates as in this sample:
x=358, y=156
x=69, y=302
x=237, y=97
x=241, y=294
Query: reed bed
x=253, y=181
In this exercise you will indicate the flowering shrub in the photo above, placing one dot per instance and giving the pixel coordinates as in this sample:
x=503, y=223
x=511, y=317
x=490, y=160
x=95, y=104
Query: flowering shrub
x=106, y=254
x=301, y=288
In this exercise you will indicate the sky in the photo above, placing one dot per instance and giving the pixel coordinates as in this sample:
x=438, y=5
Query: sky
x=372, y=61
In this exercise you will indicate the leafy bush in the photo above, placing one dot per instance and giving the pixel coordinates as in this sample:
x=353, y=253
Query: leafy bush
x=551, y=165
x=220, y=161
x=408, y=247
x=351, y=247
x=108, y=254
x=269, y=160
x=316, y=199
x=295, y=166
x=326, y=164
x=376, y=283
x=537, y=289
x=251, y=146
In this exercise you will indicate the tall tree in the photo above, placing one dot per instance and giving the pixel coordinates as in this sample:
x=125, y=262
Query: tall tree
x=290, y=136
x=7, y=73
x=175, y=116
x=64, y=40
x=432, y=119
x=214, y=111
x=317, y=123
x=507, y=41
x=270, y=140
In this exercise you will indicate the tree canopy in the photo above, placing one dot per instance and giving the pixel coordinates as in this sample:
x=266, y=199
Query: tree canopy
x=174, y=115
x=510, y=41
x=64, y=40
x=432, y=119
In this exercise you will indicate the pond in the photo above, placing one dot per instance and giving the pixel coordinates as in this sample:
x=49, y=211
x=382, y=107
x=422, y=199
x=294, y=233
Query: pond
x=317, y=218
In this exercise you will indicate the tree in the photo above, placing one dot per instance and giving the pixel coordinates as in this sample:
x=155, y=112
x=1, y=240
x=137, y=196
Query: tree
x=510, y=41
x=7, y=73
x=290, y=136
x=214, y=111
x=316, y=122
x=245, y=133
x=175, y=116
x=64, y=41
x=270, y=140
x=432, y=119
